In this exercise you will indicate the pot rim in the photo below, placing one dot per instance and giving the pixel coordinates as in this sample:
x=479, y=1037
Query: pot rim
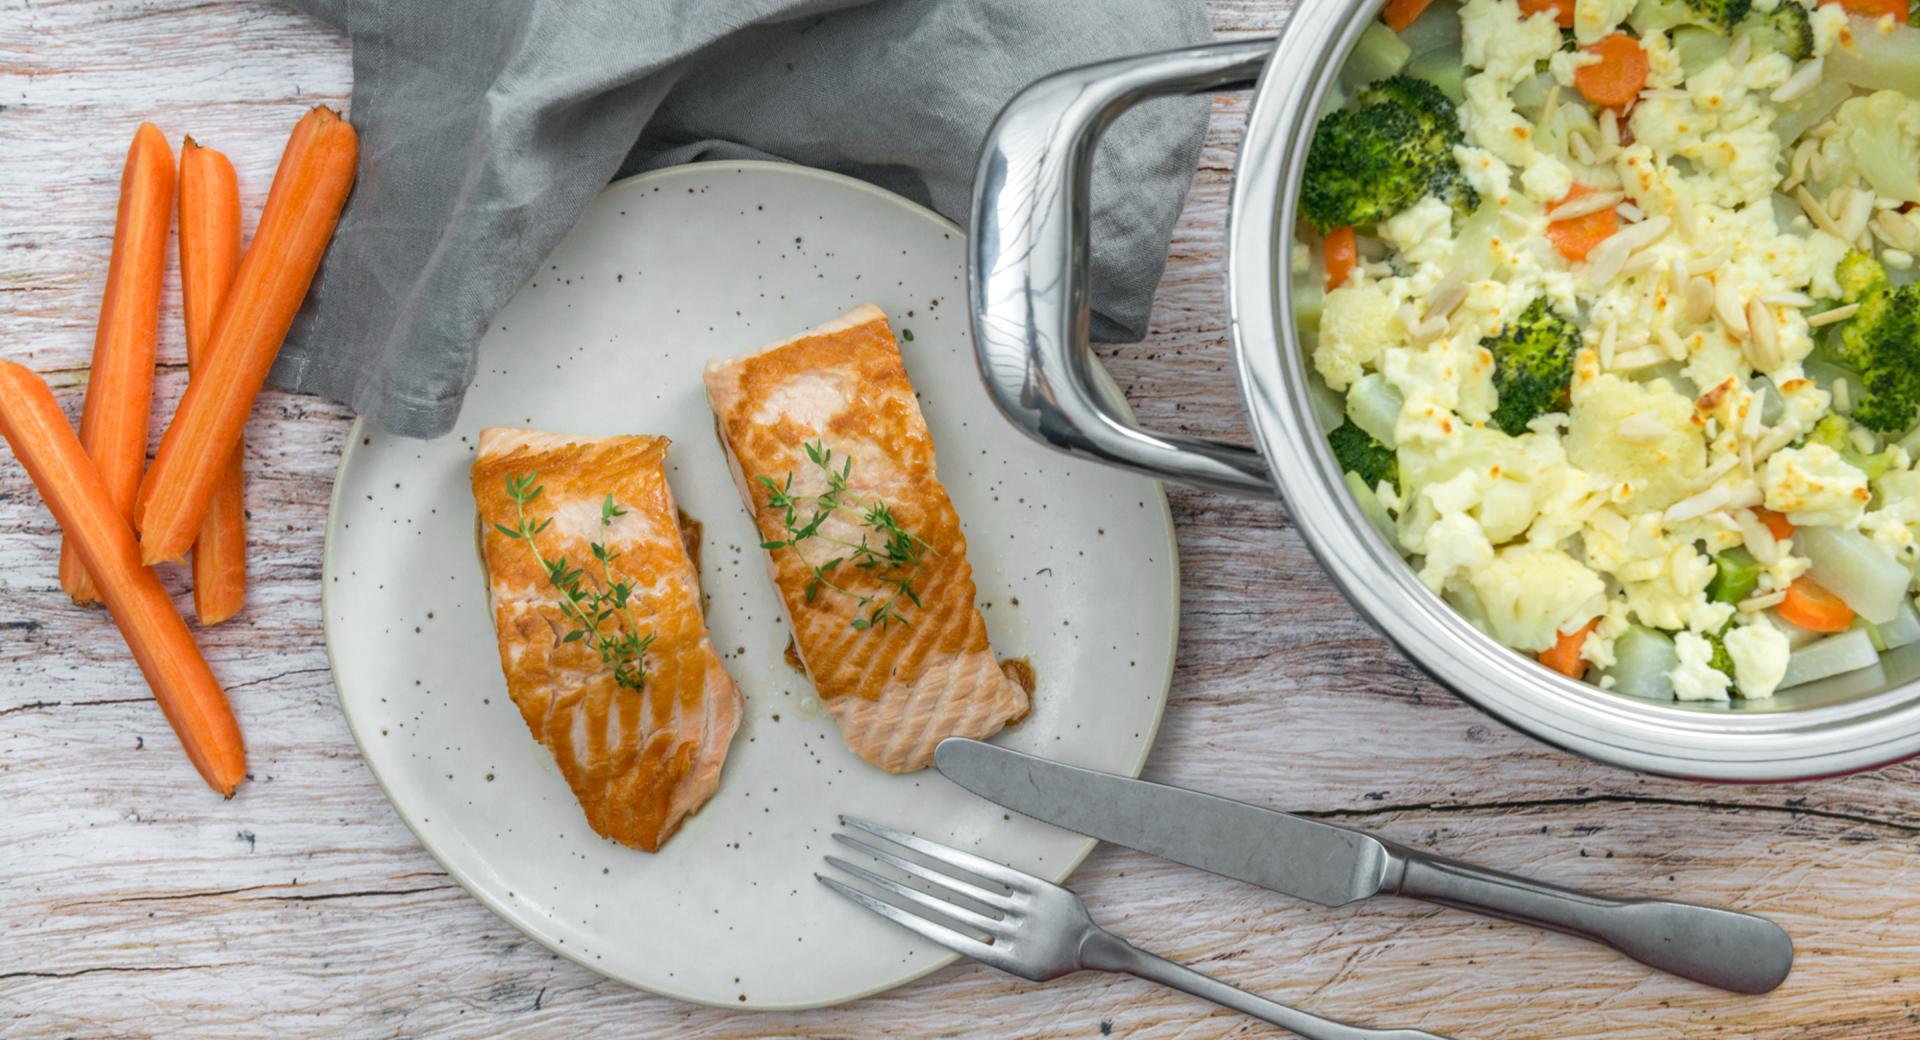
x=1745, y=744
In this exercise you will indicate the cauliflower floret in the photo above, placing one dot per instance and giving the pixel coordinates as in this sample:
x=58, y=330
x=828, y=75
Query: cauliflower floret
x=1676, y=597
x=1877, y=137
x=1453, y=374
x=1423, y=235
x=1695, y=678
x=1489, y=120
x=1500, y=481
x=1532, y=593
x=1640, y=436
x=1485, y=174
x=1598, y=649
x=1759, y=653
x=1546, y=178
x=1829, y=22
x=1813, y=485
x=1497, y=39
x=1593, y=19
x=1723, y=128
x=1454, y=545
x=1360, y=320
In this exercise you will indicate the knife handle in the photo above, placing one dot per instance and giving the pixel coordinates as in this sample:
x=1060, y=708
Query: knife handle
x=1721, y=948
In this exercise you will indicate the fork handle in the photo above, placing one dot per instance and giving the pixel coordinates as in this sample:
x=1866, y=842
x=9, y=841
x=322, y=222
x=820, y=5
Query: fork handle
x=1105, y=952
x=1721, y=948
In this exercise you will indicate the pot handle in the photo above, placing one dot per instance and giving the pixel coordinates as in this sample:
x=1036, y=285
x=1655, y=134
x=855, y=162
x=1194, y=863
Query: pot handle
x=1028, y=266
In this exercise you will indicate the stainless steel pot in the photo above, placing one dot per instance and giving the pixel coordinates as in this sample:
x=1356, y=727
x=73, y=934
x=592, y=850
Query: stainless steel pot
x=1028, y=283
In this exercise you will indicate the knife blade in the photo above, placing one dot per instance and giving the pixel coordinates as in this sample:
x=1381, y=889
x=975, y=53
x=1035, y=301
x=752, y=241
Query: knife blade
x=1304, y=858
x=1331, y=865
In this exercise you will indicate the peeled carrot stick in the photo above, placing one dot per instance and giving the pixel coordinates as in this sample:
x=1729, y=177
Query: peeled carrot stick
x=1342, y=254
x=309, y=189
x=1398, y=14
x=209, y=254
x=32, y=423
x=113, y=422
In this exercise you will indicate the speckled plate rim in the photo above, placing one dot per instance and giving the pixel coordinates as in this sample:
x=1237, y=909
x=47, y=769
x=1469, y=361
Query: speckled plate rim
x=531, y=928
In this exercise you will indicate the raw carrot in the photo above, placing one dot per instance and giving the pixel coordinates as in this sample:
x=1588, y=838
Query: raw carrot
x=32, y=423
x=309, y=189
x=1564, y=655
x=1874, y=8
x=1342, y=253
x=1398, y=14
x=1811, y=606
x=1618, y=76
x=1562, y=10
x=209, y=254
x=1776, y=524
x=1575, y=237
x=113, y=422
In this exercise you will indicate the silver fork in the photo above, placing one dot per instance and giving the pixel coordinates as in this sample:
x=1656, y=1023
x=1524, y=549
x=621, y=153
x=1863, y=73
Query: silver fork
x=1040, y=931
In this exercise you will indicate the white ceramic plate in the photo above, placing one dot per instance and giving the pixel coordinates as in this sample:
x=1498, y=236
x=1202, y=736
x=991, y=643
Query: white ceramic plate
x=1075, y=566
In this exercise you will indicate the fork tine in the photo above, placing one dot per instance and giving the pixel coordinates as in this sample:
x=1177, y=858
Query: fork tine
x=927, y=874
x=966, y=861
x=939, y=906
x=952, y=940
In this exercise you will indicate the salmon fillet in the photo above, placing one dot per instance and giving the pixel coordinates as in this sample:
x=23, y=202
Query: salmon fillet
x=899, y=685
x=638, y=759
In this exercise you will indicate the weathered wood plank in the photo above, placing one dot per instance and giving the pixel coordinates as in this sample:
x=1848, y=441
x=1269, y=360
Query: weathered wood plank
x=135, y=904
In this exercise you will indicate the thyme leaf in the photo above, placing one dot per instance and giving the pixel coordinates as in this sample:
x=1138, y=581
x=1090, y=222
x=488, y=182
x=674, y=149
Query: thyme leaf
x=589, y=604
x=892, y=556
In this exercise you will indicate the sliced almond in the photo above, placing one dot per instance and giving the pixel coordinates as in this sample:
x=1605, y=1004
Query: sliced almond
x=1593, y=202
x=1726, y=307
x=1835, y=315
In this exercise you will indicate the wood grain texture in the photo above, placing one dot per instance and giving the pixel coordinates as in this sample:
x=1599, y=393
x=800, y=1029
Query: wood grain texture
x=133, y=904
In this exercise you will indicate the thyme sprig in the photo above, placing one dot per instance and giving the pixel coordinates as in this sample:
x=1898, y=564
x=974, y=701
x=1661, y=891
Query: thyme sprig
x=588, y=604
x=891, y=554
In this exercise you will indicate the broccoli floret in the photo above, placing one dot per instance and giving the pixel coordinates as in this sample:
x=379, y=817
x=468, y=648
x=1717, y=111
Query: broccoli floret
x=1663, y=15
x=1441, y=124
x=1424, y=100
x=1357, y=452
x=1722, y=661
x=1882, y=343
x=1370, y=162
x=1783, y=30
x=1858, y=275
x=1532, y=365
x=1724, y=14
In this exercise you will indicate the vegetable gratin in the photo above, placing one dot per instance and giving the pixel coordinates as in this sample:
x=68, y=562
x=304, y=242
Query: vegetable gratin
x=1613, y=312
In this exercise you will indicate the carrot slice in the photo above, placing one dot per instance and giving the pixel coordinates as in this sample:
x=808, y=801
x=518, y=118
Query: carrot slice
x=1564, y=655
x=309, y=190
x=113, y=422
x=1575, y=237
x=32, y=423
x=1342, y=253
x=1398, y=14
x=1776, y=524
x=1812, y=607
x=209, y=254
x=1618, y=76
x=1874, y=8
x=1562, y=10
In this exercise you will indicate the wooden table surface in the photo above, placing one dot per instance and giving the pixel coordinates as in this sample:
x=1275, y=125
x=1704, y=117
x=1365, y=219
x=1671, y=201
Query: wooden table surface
x=134, y=903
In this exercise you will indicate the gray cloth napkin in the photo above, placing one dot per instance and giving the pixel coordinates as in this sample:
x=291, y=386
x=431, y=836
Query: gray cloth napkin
x=488, y=125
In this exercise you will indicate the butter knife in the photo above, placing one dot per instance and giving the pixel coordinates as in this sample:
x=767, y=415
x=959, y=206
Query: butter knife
x=1332, y=865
